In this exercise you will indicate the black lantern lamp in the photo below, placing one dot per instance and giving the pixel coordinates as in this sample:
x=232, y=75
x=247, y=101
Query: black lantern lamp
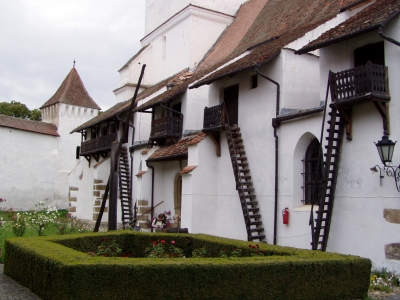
x=385, y=149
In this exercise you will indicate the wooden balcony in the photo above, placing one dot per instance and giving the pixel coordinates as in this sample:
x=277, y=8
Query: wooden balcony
x=360, y=84
x=214, y=118
x=167, y=127
x=98, y=145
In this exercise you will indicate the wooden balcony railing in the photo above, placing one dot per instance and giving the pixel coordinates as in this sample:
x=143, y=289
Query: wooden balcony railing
x=214, y=117
x=96, y=145
x=168, y=127
x=367, y=80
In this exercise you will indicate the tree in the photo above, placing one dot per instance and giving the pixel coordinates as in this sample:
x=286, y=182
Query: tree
x=19, y=110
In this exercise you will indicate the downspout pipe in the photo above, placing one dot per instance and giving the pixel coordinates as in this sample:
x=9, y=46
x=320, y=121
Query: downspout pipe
x=386, y=37
x=278, y=93
x=152, y=190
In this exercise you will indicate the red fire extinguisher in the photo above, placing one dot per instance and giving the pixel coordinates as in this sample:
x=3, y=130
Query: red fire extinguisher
x=285, y=215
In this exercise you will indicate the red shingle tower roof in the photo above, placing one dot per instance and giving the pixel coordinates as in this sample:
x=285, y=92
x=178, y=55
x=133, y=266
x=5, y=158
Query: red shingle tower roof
x=72, y=91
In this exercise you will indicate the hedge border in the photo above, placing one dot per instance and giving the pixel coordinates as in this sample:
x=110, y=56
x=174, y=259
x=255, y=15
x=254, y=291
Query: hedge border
x=54, y=271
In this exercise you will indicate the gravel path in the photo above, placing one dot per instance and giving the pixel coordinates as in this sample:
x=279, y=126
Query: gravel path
x=10, y=289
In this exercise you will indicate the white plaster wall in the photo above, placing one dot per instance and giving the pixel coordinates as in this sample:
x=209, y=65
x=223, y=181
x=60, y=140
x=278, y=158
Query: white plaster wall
x=194, y=102
x=28, y=172
x=157, y=12
x=358, y=226
x=294, y=138
x=126, y=93
x=165, y=173
x=300, y=81
x=210, y=203
x=71, y=116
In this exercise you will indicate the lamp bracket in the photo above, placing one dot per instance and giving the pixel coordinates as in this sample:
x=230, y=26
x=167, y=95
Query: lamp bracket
x=391, y=171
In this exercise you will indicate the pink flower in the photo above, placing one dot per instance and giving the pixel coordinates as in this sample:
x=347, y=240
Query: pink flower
x=173, y=242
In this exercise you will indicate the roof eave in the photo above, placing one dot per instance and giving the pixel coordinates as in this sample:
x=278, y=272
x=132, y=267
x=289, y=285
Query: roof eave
x=168, y=158
x=145, y=107
x=338, y=39
x=201, y=83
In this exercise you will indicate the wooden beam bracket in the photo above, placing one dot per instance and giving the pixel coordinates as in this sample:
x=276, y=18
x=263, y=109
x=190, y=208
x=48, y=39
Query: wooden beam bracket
x=383, y=110
x=216, y=137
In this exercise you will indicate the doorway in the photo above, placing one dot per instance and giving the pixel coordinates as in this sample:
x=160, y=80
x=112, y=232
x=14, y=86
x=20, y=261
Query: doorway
x=231, y=99
x=374, y=53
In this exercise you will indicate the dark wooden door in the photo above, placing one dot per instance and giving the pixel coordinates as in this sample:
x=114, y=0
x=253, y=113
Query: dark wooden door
x=231, y=99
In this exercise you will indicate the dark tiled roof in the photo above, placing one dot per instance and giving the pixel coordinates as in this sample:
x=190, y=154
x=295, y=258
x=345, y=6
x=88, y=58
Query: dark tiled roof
x=178, y=84
x=230, y=38
x=278, y=24
x=368, y=19
x=28, y=125
x=72, y=91
x=133, y=57
x=104, y=116
x=187, y=170
x=180, y=149
x=121, y=107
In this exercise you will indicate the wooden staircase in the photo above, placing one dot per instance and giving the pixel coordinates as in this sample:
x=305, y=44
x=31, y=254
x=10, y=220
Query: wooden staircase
x=244, y=184
x=330, y=167
x=125, y=190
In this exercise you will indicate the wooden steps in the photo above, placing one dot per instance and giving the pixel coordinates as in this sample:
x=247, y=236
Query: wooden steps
x=320, y=230
x=125, y=192
x=244, y=184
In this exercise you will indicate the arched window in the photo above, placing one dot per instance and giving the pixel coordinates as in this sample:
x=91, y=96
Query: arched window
x=178, y=194
x=312, y=174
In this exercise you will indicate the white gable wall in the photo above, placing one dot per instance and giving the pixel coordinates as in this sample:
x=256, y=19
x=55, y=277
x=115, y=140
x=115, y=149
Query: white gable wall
x=159, y=11
x=29, y=171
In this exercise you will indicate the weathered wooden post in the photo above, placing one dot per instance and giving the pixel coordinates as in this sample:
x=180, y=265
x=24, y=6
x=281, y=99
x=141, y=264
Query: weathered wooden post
x=113, y=196
x=112, y=184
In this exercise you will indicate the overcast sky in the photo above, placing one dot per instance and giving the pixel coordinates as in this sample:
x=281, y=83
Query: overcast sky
x=40, y=39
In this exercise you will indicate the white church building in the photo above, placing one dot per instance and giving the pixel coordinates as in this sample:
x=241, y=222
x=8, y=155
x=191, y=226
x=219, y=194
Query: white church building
x=261, y=129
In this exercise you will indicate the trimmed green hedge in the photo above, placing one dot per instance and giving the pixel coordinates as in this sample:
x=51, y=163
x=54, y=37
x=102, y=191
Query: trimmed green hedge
x=59, y=268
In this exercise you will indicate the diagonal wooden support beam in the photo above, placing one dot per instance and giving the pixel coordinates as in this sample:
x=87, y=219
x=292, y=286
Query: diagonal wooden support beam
x=383, y=110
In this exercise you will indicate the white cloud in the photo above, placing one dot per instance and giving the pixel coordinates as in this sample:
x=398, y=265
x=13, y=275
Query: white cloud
x=41, y=38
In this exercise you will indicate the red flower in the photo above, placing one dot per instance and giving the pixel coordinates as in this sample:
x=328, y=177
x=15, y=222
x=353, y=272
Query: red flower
x=249, y=246
x=262, y=251
x=253, y=247
x=234, y=249
x=173, y=242
x=162, y=242
x=257, y=246
x=154, y=243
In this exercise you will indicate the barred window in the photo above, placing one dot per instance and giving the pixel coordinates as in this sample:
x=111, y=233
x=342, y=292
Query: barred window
x=312, y=174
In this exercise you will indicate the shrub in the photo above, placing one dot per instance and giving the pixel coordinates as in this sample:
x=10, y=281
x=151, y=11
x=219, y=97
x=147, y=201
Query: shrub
x=44, y=263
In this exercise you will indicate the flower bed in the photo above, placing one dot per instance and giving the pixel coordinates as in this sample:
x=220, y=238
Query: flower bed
x=60, y=268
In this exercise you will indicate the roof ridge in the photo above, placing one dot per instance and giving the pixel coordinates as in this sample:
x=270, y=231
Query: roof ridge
x=67, y=85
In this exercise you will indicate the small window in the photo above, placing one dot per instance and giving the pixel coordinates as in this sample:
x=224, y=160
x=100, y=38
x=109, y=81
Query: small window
x=254, y=82
x=104, y=131
x=312, y=175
